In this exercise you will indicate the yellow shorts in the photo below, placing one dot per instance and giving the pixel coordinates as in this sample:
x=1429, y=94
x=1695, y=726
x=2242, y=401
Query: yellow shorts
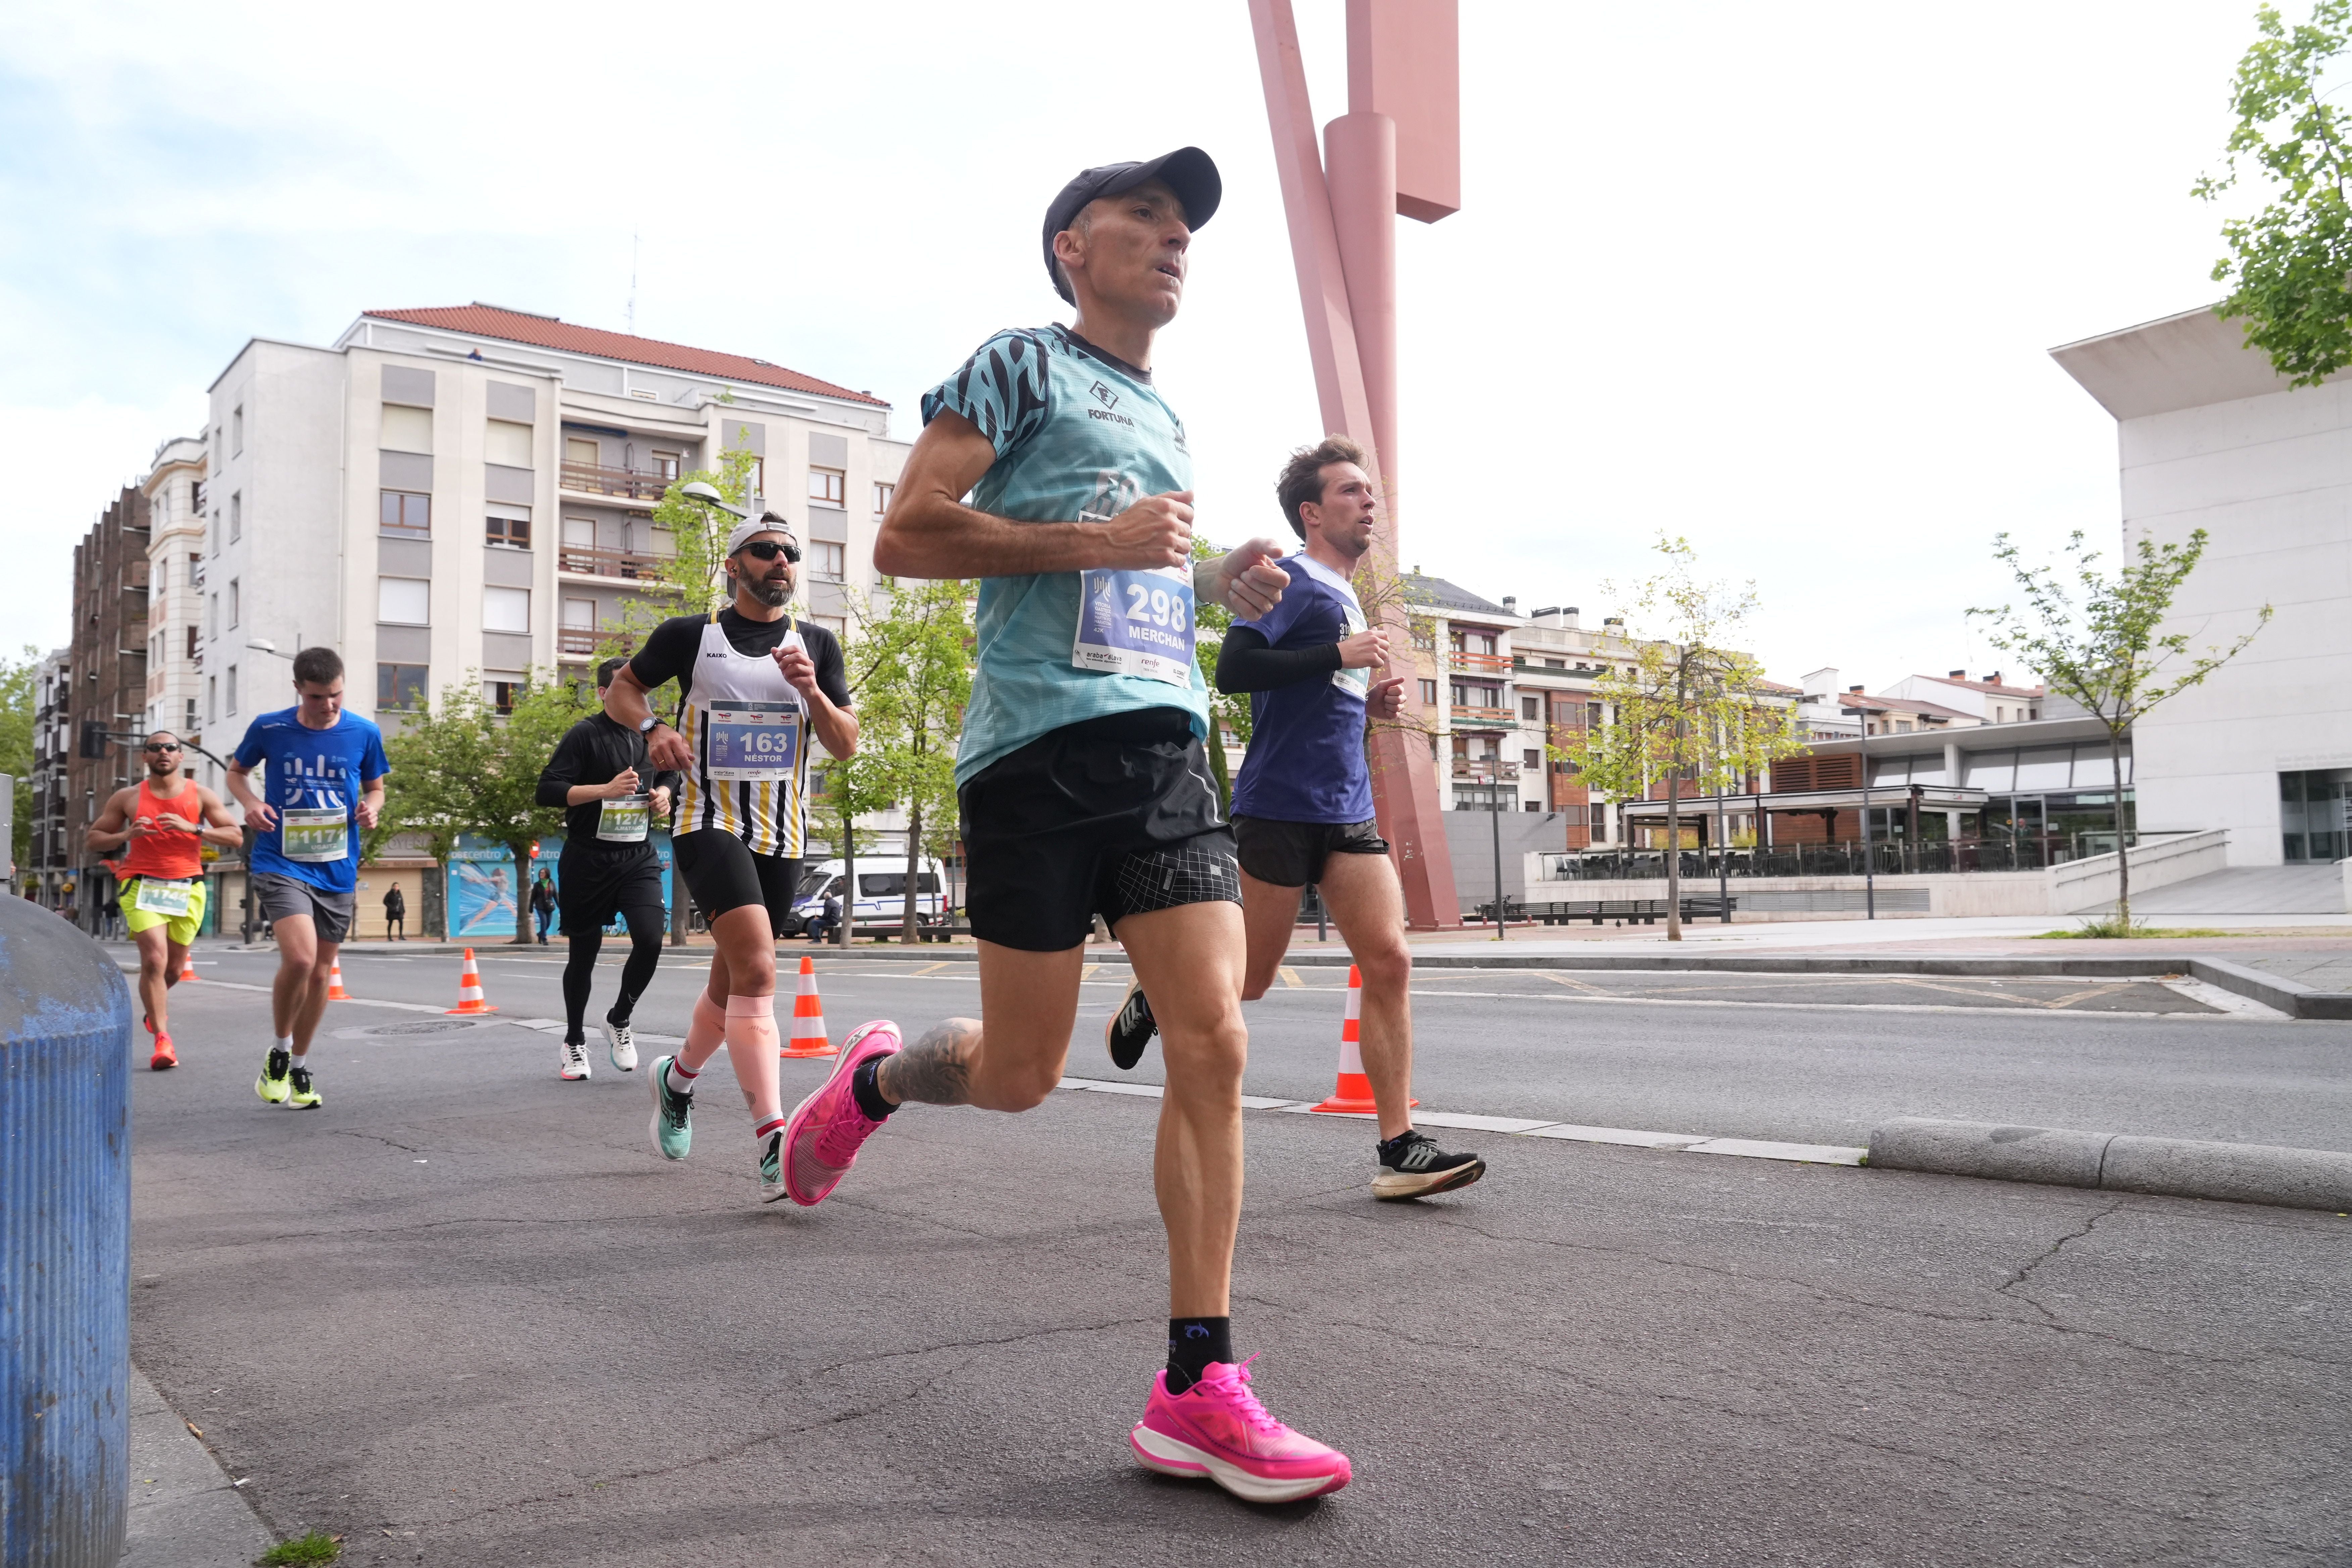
x=180, y=928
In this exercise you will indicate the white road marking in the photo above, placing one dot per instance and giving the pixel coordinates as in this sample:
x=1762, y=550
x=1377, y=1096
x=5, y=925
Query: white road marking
x=1675, y=1143
x=2229, y=1001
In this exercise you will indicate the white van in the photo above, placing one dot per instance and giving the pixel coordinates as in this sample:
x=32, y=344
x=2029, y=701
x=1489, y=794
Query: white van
x=881, y=903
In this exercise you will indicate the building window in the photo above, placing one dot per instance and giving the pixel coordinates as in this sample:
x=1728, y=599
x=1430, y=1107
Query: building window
x=404, y=514
x=1531, y=758
x=579, y=615
x=507, y=527
x=507, y=444
x=400, y=688
x=579, y=452
x=826, y=560
x=828, y=486
x=1429, y=694
x=758, y=476
x=212, y=696
x=403, y=601
x=665, y=466
x=833, y=623
x=1531, y=709
x=882, y=494
x=506, y=610
x=212, y=616
x=232, y=689
x=500, y=692
x=236, y=445
x=190, y=721
x=235, y=516
x=405, y=429
x=236, y=600
x=1593, y=715
x=192, y=640
x=1599, y=821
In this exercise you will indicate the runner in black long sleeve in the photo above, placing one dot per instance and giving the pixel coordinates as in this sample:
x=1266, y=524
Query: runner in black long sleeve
x=599, y=771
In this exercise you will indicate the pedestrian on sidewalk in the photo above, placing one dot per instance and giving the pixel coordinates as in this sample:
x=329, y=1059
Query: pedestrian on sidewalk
x=395, y=914
x=542, y=904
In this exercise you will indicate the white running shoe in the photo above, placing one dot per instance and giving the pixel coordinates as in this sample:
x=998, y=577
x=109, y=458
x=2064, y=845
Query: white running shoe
x=622, y=1045
x=572, y=1060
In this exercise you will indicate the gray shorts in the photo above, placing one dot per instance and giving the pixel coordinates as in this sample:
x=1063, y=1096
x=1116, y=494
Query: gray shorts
x=284, y=898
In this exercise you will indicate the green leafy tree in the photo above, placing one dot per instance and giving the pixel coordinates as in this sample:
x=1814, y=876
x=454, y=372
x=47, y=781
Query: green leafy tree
x=916, y=656
x=2290, y=265
x=690, y=577
x=18, y=681
x=463, y=767
x=1690, y=707
x=2103, y=644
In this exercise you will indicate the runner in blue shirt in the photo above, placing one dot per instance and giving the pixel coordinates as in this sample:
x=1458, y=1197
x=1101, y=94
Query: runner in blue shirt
x=1303, y=805
x=1083, y=779
x=325, y=783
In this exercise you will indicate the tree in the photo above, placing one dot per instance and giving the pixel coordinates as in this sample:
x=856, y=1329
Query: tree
x=1690, y=710
x=2290, y=265
x=18, y=681
x=917, y=662
x=2109, y=652
x=463, y=767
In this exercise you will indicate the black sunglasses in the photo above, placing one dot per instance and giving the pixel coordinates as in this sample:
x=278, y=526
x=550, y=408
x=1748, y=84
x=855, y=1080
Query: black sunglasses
x=162, y=745
x=769, y=549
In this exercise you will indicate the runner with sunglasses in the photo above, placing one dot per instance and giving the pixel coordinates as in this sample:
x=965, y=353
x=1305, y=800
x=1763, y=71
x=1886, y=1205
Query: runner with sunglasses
x=756, y=688
x=160, y=825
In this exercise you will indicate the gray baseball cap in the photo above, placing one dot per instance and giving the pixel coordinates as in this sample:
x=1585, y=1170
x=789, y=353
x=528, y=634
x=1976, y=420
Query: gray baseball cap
x=1188, y=171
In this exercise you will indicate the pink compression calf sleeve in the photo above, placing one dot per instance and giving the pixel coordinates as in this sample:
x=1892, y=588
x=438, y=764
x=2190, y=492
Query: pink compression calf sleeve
x=703, y=1034
x=752, y=1048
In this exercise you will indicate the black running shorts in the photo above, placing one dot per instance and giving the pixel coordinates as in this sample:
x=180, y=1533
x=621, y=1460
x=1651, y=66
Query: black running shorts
x=592, y=888
x=723, y=873
x=1114, y=816
x=1291, y=854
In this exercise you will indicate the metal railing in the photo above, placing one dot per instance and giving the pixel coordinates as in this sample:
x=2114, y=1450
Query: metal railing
x=1896, y=857
x=1472, y=713
x=573, y=640
x=629, y=564
x=591, y=478
x=1486, y=663
x=1471, y=768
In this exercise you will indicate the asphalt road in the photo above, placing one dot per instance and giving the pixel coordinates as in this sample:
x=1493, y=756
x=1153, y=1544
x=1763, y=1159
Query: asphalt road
x=462, y=1315
x=1806, y=1058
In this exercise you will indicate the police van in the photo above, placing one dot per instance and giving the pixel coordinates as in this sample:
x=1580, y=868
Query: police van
x=881, y=903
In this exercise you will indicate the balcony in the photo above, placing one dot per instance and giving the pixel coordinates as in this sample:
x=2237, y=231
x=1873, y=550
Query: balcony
x=1482, y=663
x=1495, y=718
x=588, y=478
x=577, y=643
x=1474, y=770
x=628, y=565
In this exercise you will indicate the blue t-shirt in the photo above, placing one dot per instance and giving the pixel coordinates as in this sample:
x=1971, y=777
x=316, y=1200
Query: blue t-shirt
x=1305, y=761
x=1079, y=437
x=313, y=770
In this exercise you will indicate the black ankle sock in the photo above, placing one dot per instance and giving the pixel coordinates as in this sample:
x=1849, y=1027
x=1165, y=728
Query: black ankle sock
x=1192, y=1345
x=866, y=1092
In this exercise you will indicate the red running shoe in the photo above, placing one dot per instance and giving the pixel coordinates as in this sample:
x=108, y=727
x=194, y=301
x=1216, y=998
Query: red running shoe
x=1218, y=1429
x=821, y=1139
x=164, y=1057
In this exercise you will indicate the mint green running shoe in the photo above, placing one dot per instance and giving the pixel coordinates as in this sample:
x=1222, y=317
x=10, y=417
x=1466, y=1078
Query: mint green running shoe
x=673, y=1127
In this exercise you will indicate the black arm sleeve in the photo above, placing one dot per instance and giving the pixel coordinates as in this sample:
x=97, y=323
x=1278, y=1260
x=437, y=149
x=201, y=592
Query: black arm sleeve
x=669, y=652
x=832, y=670
x=562, y=770
x=1247, y=662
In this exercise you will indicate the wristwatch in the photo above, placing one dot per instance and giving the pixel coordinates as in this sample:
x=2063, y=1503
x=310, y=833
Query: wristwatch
x=645, y=725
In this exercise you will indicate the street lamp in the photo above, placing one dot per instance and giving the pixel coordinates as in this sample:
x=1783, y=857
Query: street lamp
x=1869, y=874
x=708, y=494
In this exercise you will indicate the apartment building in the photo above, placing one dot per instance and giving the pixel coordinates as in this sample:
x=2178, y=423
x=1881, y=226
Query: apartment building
x=106, y=684
x=48, y=864
x=1987, y=699
x=1556, y=661
x=465, y=493
x=174, y=488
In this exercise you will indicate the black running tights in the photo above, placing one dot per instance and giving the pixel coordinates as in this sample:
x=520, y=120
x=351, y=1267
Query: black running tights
x=646, y=925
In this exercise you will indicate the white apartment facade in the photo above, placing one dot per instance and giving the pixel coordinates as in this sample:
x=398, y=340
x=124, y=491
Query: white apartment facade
x=466, y=492
x=1988, y=698
x=175, y=488
x=2211, y=437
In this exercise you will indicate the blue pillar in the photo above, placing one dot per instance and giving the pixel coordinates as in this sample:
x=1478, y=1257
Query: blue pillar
x=64, y=1243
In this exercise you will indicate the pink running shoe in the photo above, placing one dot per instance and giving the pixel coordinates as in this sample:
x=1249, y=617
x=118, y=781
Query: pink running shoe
x=821, y=1140
x=1218, y=1429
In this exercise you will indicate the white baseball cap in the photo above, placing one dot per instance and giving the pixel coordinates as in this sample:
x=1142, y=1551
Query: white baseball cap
x=744, y=533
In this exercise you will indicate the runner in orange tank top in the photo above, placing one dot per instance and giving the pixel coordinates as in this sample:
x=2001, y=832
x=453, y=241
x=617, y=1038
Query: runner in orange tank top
x=160, y=825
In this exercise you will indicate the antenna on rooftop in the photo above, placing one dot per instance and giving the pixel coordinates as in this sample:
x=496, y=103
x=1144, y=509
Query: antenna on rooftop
x=633, y=283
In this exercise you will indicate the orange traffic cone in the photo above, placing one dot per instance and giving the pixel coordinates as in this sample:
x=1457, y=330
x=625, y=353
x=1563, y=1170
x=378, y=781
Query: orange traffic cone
x=809, y=1039
x=1353, y=1096
x=469, y=990
x=335, y=992
x=188, y=966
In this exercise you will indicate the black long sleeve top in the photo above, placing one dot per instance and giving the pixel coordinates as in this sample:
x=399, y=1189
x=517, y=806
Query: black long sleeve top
x=595, y=750
x=1247, y=662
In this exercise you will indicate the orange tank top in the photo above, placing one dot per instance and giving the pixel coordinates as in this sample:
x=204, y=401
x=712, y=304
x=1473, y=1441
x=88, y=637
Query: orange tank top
x=167, y=854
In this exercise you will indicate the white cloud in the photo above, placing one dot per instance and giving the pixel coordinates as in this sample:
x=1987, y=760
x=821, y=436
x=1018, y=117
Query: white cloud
x=1780, y=279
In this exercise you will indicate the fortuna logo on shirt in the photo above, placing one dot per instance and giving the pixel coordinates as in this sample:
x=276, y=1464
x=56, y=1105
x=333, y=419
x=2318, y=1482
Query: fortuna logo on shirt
x=1104, y=395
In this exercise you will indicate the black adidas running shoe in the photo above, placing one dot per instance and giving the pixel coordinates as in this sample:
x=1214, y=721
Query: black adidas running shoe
x=1130, y=1029
x=1413, y=1166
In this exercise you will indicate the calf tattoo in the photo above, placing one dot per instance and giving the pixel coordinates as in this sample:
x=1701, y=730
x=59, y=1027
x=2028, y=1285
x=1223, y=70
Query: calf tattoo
x=934, y=1069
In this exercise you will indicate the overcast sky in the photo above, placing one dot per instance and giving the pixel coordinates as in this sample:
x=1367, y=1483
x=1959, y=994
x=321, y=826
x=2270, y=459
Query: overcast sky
x=1780, y=278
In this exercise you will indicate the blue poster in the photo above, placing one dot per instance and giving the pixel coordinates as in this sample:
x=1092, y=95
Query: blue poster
x=481, y=883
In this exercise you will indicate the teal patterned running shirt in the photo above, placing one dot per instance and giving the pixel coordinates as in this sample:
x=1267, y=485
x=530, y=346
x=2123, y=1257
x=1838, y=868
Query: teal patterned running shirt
x=1079, y=436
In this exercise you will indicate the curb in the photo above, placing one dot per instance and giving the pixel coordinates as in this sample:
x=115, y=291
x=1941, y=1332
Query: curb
x=2165, y=1167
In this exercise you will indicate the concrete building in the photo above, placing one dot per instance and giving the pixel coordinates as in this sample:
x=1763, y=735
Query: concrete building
x=174, y=488
x=48, y=863
x=2211, y=437
x=107, y=684
x=466, y=492
x=1987, y=699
